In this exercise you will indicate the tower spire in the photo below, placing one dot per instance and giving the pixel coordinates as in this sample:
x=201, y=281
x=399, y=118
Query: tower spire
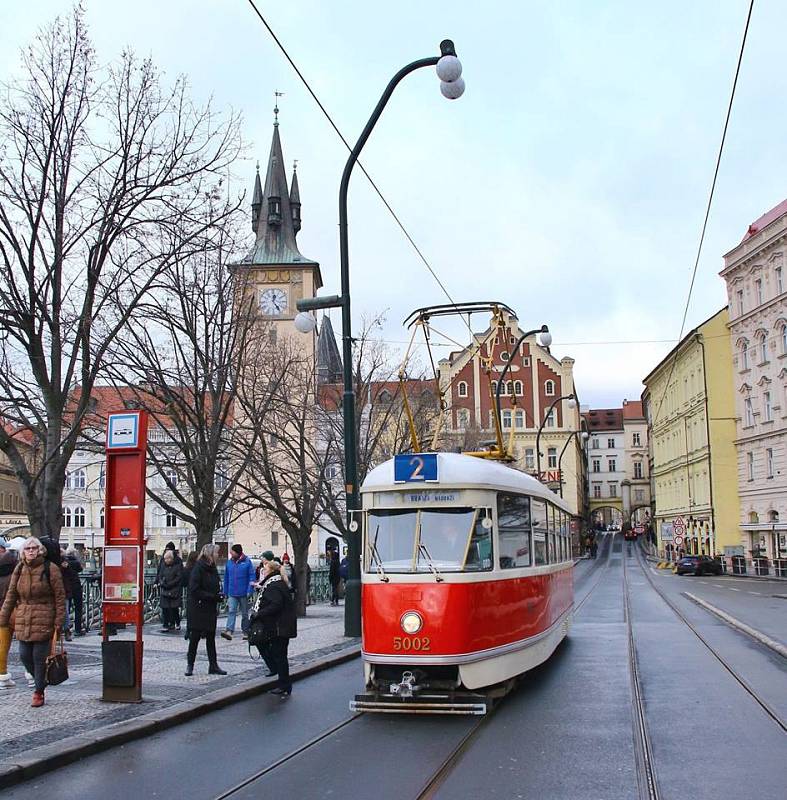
x=295, y=199
x=256, y=201
x=276, y=108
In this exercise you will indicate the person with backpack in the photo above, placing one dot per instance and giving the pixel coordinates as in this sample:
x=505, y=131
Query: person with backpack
x=276, y=610
x=37, y=596
x=7, y=566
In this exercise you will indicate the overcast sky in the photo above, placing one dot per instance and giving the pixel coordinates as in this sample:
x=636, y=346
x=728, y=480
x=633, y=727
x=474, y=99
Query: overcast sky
x=569, y=181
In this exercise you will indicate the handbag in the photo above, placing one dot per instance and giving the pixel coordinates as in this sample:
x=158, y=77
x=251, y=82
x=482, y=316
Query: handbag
x=57, y=663
x=258, y=634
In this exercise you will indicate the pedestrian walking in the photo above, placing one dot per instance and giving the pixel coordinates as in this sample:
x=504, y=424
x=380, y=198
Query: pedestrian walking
x=334, y=577
x=203, y=600
x=71, y=566
x=191, y=560
x=238, y=585
x=277, y=611
x=7, y=564
x=170, y=592
x=37, y=596
x=308, y=584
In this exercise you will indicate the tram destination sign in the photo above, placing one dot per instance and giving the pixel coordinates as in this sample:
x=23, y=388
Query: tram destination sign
x=415, y=468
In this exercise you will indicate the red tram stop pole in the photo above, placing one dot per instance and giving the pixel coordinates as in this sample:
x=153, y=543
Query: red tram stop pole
x=124, y=548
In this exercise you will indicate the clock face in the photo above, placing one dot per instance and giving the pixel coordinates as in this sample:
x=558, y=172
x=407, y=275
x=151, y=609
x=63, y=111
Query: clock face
x=273, y=302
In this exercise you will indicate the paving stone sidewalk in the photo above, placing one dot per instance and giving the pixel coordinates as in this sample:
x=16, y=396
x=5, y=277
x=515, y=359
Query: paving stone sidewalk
x=76, y=706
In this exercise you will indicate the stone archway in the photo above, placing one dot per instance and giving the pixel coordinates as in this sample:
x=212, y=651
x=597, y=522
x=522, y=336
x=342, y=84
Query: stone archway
x=606, y=517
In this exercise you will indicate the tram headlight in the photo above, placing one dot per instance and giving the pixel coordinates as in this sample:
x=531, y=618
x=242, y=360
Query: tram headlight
x=411, y=622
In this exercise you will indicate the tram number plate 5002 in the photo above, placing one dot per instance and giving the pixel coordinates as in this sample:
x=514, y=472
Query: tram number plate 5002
x=417, y=643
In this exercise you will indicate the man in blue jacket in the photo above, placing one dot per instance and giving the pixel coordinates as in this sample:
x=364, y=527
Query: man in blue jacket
x=238, y=580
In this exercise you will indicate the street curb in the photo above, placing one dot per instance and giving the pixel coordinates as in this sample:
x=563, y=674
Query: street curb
x=39, y=760
x=777, y=647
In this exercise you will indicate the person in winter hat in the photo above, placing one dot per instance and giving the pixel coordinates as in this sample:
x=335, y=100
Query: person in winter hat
x=238, y=585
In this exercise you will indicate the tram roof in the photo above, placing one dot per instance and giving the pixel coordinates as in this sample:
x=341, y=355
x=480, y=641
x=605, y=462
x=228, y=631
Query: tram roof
x=455, y=469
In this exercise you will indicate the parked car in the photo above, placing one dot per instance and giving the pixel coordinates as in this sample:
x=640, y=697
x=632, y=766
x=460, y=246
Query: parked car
x=698, y=565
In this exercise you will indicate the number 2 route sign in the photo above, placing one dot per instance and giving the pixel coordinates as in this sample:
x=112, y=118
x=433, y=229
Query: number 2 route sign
x=415, y=468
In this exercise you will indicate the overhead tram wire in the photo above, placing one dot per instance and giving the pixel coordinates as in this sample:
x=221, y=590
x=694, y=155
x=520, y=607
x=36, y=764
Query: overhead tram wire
x=708, y=206
x=349, y=148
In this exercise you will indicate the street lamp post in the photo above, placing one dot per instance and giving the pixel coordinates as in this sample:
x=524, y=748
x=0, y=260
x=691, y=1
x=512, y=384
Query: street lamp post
x=544, y=338
x=581, y=438
x=449, y=70
x=571, y=404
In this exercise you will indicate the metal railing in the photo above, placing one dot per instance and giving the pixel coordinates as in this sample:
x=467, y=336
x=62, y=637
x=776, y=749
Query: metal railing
x=319, y=592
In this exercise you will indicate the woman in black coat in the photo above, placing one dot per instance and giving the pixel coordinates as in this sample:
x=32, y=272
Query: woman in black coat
x=203, y=600
x=169, y=578
x=277, y=611
x=334, y=577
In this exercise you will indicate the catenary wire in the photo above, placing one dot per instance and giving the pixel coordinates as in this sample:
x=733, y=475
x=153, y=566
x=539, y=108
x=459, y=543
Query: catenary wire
x=708, y=205
x=349, y=147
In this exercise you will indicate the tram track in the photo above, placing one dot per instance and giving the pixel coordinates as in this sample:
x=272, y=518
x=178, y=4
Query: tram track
x=747, y=687
x=601, y=572
x=643, y=751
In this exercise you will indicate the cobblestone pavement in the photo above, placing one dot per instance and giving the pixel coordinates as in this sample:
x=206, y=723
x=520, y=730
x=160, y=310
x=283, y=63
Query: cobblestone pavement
x=76, y=706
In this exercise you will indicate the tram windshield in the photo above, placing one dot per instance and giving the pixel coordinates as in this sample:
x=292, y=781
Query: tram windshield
x=429, y=540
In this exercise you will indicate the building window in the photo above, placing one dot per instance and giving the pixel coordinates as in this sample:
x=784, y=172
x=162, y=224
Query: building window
x=518, y=388
x=550, y=420
x=744, y=355
x=101, y=519
x=549, y=388
x=639, y=495
x=784, y=339
x=519, y=419
x=273, y=440
x=750, y=465
x=749, y=412
x=461, y=389
x=779, y=282
x=274, y=538
x=635, y=442
x=530, y=458
x=507, y=419
x=67, y=517
x=102, y=477
x=739, y=295
x=172, y=520
x=758, y=290
x=79, y=517
x=526, y=361
x=769, y=462
x=552, y=458
x=637, y=469
x=610, y=444
x=596, y=490
x=596, y=465
x=504, y=355
x=494, y=388
x=763, y=350
x=171, y=476
x=611, y=465
x=510, y=387
x=462, y=419
x=613, y=490
x=330, y=472
x=595, y=444
x=77, y=479
x=766, y=406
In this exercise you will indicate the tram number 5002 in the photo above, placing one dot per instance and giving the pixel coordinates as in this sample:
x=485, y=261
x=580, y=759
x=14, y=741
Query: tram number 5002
x=412, y=643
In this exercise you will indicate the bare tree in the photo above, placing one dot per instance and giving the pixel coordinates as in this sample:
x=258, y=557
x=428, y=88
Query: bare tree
x=289, y=464
x=383, y=428
x=105, y=178
x=187, y=365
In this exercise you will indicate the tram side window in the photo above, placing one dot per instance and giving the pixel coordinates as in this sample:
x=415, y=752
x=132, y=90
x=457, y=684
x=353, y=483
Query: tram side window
x=513, y=524
x=538, y=514
x=552, y=513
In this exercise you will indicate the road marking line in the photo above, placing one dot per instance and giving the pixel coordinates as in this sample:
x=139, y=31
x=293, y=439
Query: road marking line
x=757, y=593
x=732, y=589
x=719, y=585
x=741, y=626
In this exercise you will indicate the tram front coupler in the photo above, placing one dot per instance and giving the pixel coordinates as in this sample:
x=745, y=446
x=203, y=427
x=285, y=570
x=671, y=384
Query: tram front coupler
x=406, y=688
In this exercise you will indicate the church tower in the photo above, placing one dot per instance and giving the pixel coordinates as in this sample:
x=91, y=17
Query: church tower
x=278, y=274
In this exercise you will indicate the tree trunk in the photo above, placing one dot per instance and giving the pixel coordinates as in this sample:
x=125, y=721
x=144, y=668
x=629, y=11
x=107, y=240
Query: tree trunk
x=301, y=555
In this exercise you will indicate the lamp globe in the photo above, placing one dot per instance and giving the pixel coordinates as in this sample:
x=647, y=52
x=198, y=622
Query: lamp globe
x=544, y=338
x=305, y=322
x=453, y=90
x=449, y=69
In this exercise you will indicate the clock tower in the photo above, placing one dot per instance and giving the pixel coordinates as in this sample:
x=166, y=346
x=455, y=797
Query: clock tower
x=277, y=273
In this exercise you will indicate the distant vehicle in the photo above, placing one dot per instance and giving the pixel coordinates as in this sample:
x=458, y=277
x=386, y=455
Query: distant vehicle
x=630, y=535
x=698, y=565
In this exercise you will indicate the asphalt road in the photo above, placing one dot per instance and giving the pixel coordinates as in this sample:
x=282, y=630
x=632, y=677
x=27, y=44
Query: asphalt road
x=565, y=732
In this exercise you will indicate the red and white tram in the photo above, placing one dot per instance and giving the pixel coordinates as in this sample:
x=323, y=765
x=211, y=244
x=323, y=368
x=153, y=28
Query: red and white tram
x=467, y=582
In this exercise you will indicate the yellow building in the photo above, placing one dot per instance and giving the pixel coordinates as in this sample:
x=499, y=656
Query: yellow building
x=690, y=408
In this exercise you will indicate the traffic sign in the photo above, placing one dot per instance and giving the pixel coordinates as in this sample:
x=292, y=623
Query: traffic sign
x=678, y=540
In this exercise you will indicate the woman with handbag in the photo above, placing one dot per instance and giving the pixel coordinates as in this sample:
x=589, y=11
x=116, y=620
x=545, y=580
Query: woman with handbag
x=202, y=608
x=276, y=610
x=37, y=595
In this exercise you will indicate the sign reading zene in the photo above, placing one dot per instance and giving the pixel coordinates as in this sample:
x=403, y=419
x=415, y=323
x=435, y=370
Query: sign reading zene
x=415, y=468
